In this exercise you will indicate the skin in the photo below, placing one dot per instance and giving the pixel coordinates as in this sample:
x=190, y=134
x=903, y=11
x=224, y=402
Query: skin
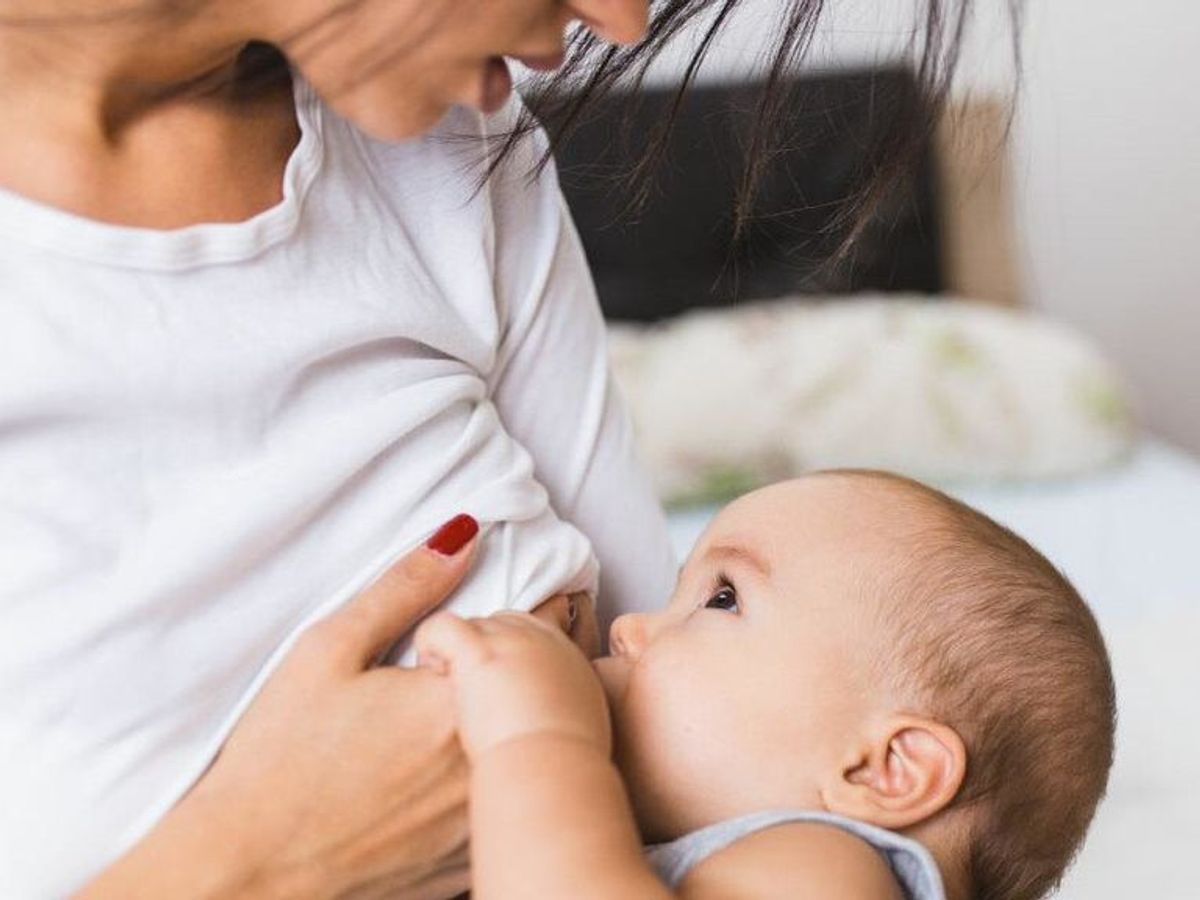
x=97, y=124
x=282, y=813
x=754, y=688
x=103, y=120
x=258, y=823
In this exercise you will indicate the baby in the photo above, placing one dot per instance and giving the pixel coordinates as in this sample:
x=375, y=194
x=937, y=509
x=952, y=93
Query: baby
x=861, y=688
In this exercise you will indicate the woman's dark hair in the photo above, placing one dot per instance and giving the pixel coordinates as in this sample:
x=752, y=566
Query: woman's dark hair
x=593, y=69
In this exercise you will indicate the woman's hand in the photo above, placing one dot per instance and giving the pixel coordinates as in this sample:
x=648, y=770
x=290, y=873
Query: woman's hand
x=514, y=676
x=341, y=779
x=575, y=616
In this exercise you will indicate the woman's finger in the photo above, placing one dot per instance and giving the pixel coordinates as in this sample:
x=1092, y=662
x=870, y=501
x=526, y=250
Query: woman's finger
x=560, y=611
x=379, y=616
x=575, y=616
x=586, y=630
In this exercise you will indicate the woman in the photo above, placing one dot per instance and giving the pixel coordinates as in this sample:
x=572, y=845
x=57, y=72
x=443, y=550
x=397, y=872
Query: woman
x=254, y=350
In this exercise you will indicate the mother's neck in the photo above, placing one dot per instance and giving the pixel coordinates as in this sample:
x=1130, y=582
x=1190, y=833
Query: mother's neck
x=117, y=115
x=86, y=67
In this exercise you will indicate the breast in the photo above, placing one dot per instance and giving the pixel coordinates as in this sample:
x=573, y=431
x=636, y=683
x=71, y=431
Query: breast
x=196, y=476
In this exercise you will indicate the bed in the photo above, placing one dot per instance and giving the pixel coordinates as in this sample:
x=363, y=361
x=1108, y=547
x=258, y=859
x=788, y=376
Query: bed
x=1126, y=533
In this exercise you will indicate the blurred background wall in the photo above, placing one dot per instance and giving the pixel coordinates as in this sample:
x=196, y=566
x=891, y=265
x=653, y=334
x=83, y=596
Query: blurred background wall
x=1104, y=165
x=1108, y=190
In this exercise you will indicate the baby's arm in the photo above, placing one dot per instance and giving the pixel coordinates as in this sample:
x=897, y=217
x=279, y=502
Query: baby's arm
x=548, y=811
x=549, y=815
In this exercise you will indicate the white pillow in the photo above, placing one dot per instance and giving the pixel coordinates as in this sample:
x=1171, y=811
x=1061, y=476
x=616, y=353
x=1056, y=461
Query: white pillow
x=724, y=400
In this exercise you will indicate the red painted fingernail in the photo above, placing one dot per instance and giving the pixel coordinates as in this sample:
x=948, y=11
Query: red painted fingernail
x=453, y=536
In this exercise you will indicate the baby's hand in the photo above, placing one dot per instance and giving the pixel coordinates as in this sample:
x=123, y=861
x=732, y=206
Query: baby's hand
x=514, y=676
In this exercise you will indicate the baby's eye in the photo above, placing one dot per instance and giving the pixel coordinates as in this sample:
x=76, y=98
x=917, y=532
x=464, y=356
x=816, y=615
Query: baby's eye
x=724, y=599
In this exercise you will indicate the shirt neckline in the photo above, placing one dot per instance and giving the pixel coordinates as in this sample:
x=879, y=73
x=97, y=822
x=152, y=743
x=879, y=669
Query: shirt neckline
x=214, y=243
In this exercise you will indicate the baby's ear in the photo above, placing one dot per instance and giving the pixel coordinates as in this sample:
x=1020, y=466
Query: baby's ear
x=903, y=772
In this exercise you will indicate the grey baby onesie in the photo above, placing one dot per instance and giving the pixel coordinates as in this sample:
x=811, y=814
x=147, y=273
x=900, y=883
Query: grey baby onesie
x=911, y=863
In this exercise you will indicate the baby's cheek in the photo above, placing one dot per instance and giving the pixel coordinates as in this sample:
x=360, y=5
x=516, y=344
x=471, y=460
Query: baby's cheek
x=675, y=747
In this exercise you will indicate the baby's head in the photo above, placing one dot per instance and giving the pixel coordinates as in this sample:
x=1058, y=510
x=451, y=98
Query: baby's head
x=859, y=643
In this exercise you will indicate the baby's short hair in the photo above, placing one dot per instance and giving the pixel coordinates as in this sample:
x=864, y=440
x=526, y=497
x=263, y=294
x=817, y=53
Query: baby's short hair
x=995, y=642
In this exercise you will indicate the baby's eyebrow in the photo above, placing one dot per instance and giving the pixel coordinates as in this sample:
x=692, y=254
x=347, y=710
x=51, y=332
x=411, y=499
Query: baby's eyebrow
x=736, y=553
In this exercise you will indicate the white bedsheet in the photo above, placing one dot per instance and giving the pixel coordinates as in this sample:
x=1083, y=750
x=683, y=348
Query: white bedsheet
x=1129, y=539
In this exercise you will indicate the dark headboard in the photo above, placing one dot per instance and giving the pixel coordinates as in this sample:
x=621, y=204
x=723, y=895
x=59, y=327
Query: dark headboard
x=677, y=253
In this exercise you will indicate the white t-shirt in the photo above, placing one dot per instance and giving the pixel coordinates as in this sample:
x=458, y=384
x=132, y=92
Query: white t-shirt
x=212, y=436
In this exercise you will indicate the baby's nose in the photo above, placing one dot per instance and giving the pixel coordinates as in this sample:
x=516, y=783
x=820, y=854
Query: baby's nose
x=628, y=635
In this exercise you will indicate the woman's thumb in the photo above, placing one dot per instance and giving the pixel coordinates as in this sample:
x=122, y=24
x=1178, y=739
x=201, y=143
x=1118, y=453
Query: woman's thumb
x=379, y=616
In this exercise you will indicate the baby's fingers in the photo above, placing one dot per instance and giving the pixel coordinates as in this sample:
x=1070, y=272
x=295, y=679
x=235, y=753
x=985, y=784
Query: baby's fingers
x=445, y=642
